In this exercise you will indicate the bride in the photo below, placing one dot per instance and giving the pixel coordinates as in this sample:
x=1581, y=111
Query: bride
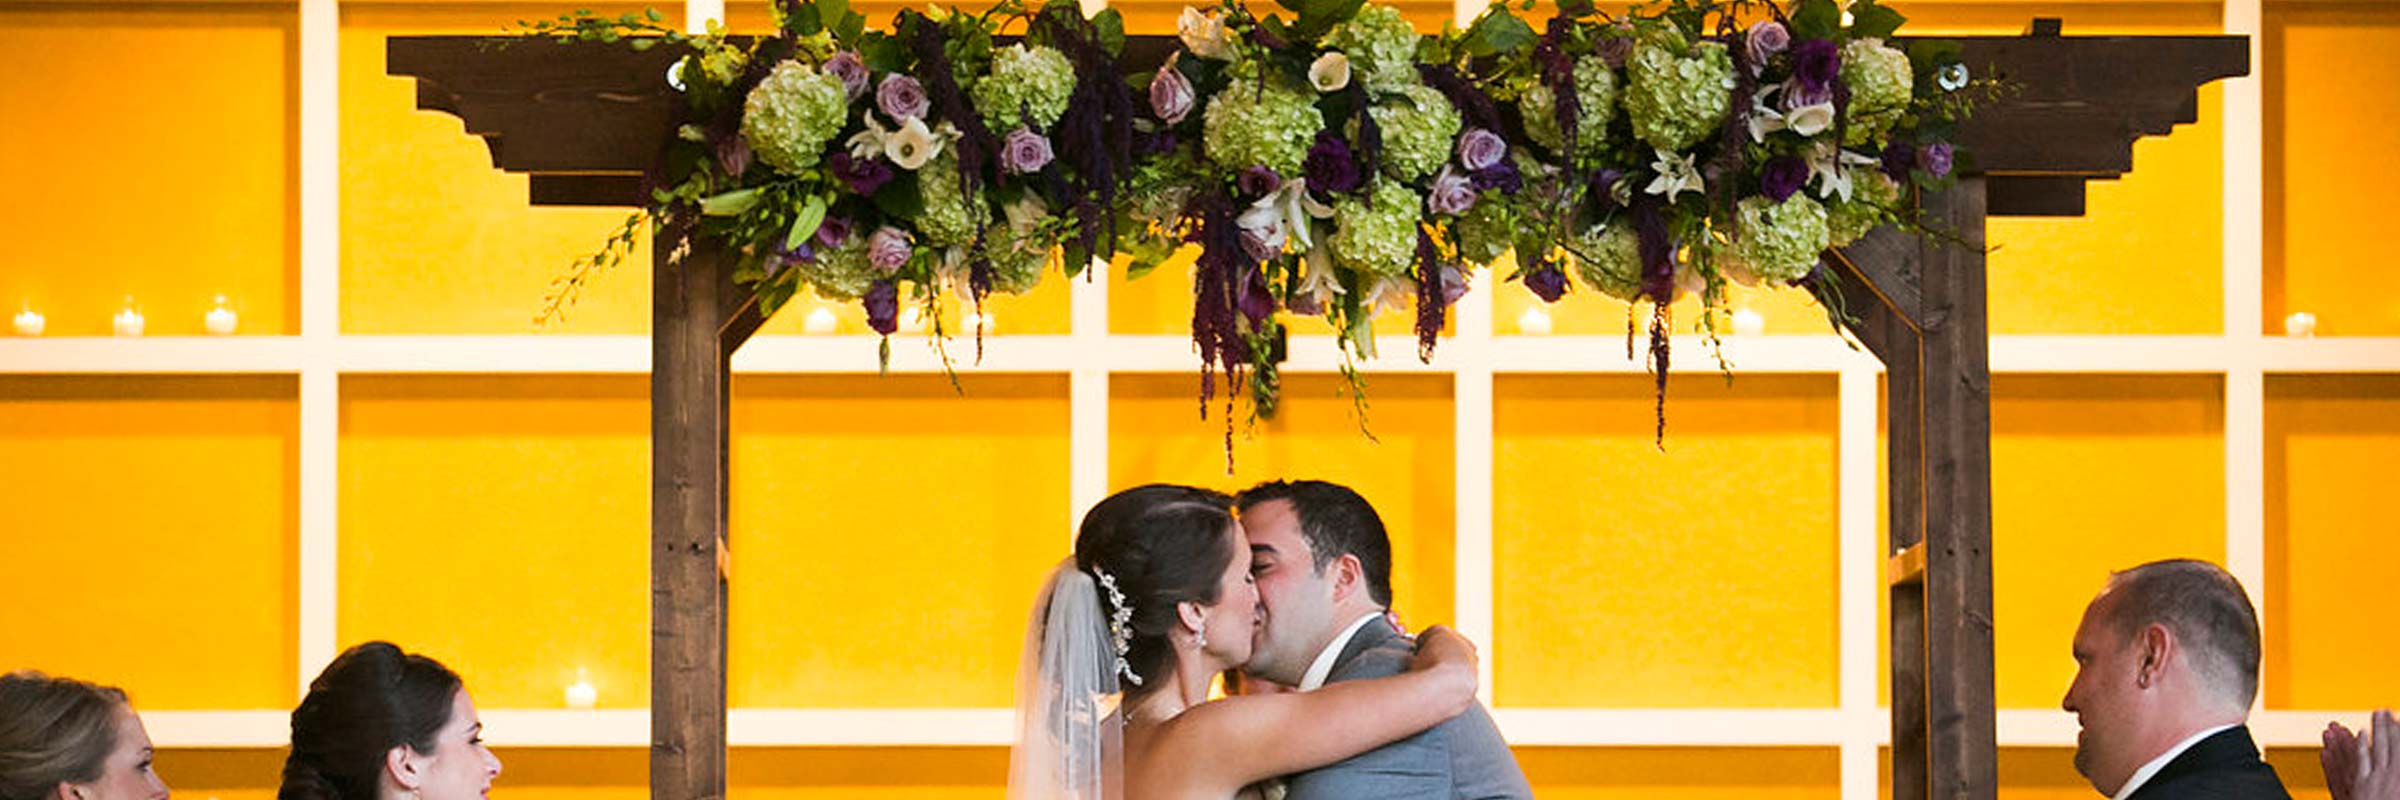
x=1155, y=603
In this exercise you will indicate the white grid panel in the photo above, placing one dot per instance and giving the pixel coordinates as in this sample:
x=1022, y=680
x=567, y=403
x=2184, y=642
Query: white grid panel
x=320, y=355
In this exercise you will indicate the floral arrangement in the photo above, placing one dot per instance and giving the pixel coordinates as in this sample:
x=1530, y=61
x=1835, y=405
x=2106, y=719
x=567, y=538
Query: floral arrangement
x=925, y=162
x=1331, y=165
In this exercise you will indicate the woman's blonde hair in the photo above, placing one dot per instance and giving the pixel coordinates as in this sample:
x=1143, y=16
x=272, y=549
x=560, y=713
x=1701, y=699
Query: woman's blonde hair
x=53, y=731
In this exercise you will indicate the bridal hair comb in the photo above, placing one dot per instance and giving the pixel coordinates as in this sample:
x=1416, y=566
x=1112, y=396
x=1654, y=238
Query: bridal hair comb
x=1120, y=623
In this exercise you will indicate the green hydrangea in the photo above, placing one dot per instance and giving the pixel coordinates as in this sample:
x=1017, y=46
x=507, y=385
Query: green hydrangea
x=842, y=273
x=1485, y=231
x=1872, y=196
x=1880, y=83
x=1017, y=259
x=1248, y=125
x=1025, y=82
x=1778, y=242
x=792, y=114
x=1418, y=126
x=1377, y=234
x=1381, y=45
x=1609, y=260
x=1595, y=87
x=950, y=214
x=1677, y=101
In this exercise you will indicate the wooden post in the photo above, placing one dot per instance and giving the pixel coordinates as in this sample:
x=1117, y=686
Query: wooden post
x=689, y=393
x=1956, y=445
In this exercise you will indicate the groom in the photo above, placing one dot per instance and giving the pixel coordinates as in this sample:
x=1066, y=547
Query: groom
x=1324, y=569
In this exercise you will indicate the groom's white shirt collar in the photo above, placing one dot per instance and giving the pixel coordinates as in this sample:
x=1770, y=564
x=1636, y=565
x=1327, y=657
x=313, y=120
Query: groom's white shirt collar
x=1322, y=668
x=2150, y=770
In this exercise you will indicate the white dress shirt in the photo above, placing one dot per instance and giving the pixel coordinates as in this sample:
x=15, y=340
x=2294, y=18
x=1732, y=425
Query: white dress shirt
x=2143, y=775
x=1322, y=668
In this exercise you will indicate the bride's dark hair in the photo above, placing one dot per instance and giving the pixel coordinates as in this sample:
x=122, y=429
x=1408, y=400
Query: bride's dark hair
x=1162, y=544
x=370, y=700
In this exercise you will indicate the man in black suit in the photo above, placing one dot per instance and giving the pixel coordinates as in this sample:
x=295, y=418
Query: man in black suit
x=2166, y=669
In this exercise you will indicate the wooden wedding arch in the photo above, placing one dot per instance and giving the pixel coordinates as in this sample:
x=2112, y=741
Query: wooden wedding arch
x=585, y=120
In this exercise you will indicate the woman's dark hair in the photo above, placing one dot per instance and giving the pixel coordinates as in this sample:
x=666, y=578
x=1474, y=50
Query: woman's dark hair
x=53, y=731
x=1162, y=544
x=370, y=700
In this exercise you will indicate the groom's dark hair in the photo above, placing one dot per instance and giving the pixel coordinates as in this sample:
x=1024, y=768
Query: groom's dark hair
x=1334, y=520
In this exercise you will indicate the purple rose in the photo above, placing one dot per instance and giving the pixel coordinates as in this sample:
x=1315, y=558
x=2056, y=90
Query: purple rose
x=733, y=155
x=846, y=66
x=1258, y=181
x=1502, y=176
x=1815, y=63
x=1479, y=149
x=1452, y=193
x=1547, y=282
x=833, y=232
x=1170, y=95
x=1898, y=158
x=889, y=249
x=1766, y=39
x=883, y=307
x=1024, y=152
x=1782, y=176
x=901, y=97
x=862, y=175
x=1935, y=158
x=1151, y=143
x=1330, y=167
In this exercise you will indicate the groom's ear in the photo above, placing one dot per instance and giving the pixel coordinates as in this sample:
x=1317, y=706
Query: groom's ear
x=1349, y=576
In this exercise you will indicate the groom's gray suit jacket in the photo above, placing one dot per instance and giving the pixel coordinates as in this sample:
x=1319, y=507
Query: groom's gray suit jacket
x=1461, y=759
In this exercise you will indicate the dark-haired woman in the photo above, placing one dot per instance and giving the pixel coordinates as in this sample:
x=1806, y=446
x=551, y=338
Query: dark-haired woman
x=64, y=739
x=381, y=724
x=1130, y=633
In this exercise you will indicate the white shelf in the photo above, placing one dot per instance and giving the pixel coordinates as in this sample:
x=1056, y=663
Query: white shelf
x=786, y=354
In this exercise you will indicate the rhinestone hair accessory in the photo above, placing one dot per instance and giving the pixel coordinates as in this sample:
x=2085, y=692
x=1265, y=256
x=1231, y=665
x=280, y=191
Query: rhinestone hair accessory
x=1120, y=623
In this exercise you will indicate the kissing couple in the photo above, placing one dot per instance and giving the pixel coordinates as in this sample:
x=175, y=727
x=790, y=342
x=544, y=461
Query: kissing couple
x=1290, y=600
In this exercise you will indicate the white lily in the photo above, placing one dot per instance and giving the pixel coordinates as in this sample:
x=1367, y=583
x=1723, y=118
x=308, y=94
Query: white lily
x=1676, y=175
x=1764, y=119
x=1204, y=35
x=868, y=143
x=1330, y=72
x=1293, y=206
x=1831, y=167
x=1810, y=120
x=1318, y=280
x=1391, y=294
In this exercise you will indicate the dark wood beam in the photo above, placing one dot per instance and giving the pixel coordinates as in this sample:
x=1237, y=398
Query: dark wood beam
x=689, y=385
x=1957, y=470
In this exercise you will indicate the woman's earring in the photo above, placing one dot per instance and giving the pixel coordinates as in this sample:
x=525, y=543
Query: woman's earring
x=1200, y=639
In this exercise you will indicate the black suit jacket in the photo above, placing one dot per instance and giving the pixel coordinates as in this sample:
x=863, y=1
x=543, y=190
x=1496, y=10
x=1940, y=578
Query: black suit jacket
x=2224, y=766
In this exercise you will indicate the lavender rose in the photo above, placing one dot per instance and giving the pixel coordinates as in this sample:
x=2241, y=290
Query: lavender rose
x=852, y=72
x=1454, y=284
x=883, y=307
x=1329, y=166
x=1782, y=176
x=889, y=249
x=902, y=97
x=1258, y=181
x=1796, y=96
x=1766, y=39
x=1480, y=149
x=1935, y=158
x=862, y=175
x=1171, y=96
x=1452, y=193
x=734, y=155
x=1024, y=152
x=1815, y=63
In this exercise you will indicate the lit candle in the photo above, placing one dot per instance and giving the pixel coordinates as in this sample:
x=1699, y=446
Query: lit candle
x=221, y=320
x=581, y=694
x=1534, y=322
x=820, y=321
x=1748, y=323
x=2300, y=324
x=30, y=322
x=129, y=321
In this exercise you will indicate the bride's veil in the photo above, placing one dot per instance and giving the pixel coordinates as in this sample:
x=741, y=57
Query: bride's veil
x=1068, y=731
